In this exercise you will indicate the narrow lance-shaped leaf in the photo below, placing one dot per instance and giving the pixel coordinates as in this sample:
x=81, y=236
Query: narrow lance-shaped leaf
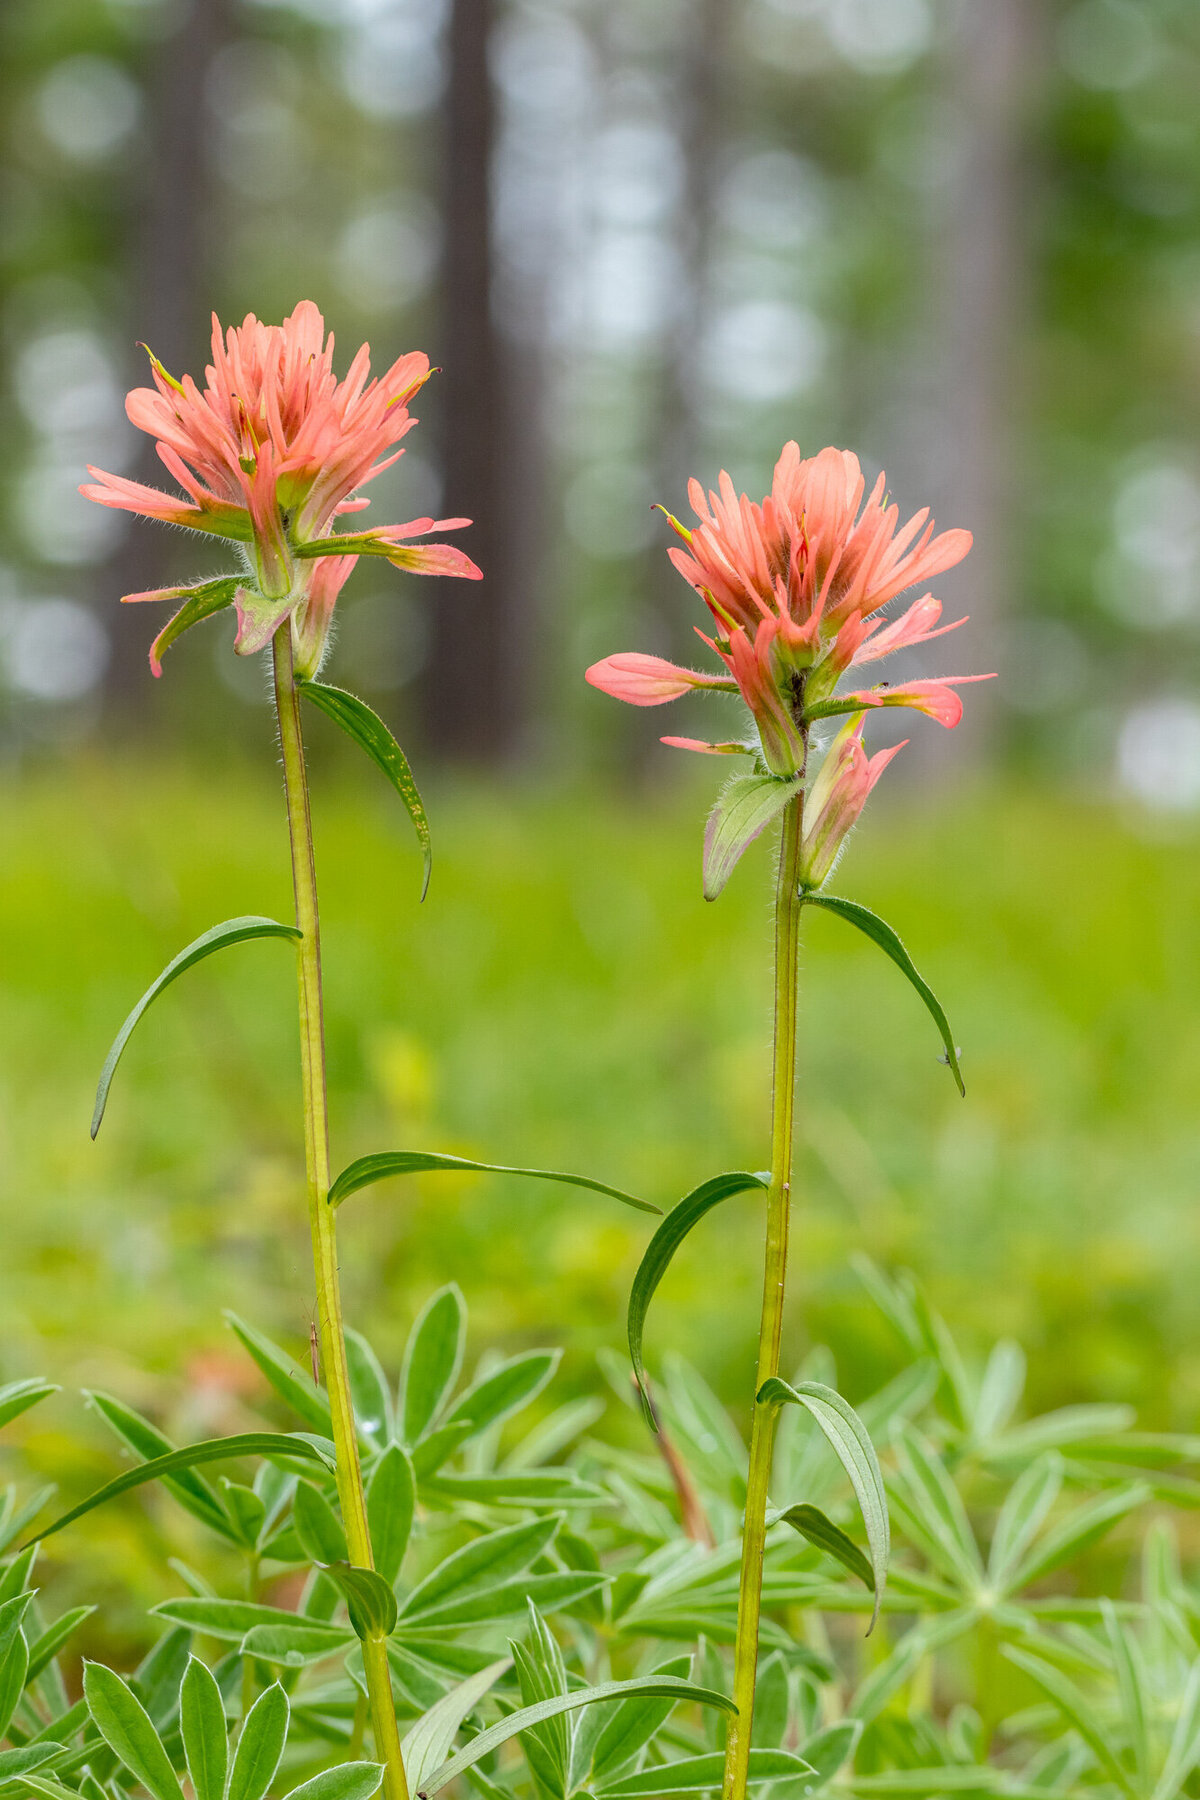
x=745, y=807
x=291, y=1378
x=881, y=933
x=647, y=1687
x=384, y=1163
x=202, y=1722
x=824, y=1535
x=260, y=1746
x=428, y=1741
x=233, y=931
x=432, y=1359
x=851, y=1444
x=18, y=1396
x=251, y=1443
x=125, y=1726
x=696, y=1774
x=348, y=1781
x=659, y=1251
x=370, y=733
x=391, y=1499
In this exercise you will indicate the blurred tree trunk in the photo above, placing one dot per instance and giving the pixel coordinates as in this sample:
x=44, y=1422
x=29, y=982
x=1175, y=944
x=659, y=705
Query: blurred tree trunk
x=473, y=696
x=992, y=73
x=167, y=307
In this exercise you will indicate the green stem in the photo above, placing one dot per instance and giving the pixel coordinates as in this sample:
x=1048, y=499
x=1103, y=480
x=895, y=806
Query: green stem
x=762, y=1429
x=322, y=1217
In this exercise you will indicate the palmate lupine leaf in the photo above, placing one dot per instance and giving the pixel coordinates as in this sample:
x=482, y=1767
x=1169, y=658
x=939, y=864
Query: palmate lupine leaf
x=657, y=1258
x=370, y=733
x=233, y=931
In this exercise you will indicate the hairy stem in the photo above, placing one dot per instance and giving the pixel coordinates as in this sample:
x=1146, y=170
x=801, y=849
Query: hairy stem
x=762, y=1429
x=322, y=1218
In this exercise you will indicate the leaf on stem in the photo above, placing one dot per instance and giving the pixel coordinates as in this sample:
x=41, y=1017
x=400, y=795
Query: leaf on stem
x=126, y=1728
x=369, y=1598
x=369, y=1169
x=881, y=933
x=202, y=1723
x=745, y=807
x=233, y=931
x=370, y=733
x=659, y=1251
x=849, y=1440
x=275, y=1444
x=18, y=1396
x=821, y=1532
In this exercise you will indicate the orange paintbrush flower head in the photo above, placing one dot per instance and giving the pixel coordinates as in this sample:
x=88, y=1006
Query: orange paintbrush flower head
x=796, y=587
x=269, y=454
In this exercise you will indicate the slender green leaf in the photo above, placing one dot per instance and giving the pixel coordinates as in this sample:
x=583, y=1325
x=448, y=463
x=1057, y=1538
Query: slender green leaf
x=281, y=1444
x=432, y=1359
x=45, y=1648
x=369, y=1599
x=429, y=1741
x=1000, y=1390
x=369, y=1388
x=125, y=1726
x=559, y=1590
x=349, y=1781
x=221, y=1618
x=517, y=1487
x=385, y=1163
x=647, y=1687
x=659, y=1251
x=28, y=1756
x=437, y=1447
x=745, y=807
x=14, y=1673
x=1184, y=1751
x=190, y=1489
x=14, y=1581
x=247, y=1511
x=850, y=1443
x=825, y=1751
x=630, y=1725
x=370, y=733
x=691, y=1774
x=260, y=1746
x=1025, y=1510
x=1131, y=1687
x=513, y=1385
x=205, y=1736
x=233, y=931
x=318, y=1526
x=821, y=1531
x=486, y=1561
x=936, y=1516
x=391, y=1498
x=1079, y=1529
x=1078, y=1711
x=15, y=1522
x=882, y=934
x=18, y=1396
x=308, y=1401
x=298, y=1642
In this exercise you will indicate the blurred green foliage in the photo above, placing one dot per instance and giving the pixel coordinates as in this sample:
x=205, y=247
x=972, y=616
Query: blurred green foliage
x=566, y=998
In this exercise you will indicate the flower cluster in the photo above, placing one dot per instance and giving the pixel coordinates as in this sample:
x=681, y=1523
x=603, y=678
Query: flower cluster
x=796, y=588
x=269, y=454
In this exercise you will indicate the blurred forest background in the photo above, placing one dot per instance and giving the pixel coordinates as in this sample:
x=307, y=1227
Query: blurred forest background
x=643, y=238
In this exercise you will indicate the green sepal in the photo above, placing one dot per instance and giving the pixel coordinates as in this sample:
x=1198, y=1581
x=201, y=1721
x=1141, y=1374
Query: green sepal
x=659, y=1251
x=370, y=733
x=233, y=931
x=881, y=933
x=384, y=1163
